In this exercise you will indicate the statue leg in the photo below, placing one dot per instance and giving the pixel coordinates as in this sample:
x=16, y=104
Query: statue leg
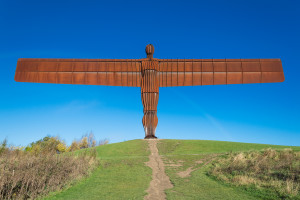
x=150, y=123
x=150, y=119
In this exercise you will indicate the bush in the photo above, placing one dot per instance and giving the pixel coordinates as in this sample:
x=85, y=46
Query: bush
x=46, y=145
x=43, y=166
x=74, y=146
x=26, y=175
x=56, y=145
x=83, y=143
x=275, y=170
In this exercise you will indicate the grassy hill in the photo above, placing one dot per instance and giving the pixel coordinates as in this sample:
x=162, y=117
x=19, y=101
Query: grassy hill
x=123, y=174
x=192, y=156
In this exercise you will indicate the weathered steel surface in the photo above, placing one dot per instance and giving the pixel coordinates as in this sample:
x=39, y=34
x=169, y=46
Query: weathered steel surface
x=179, y=72
x=150, y=90
x=80, y=71
x=149, y=74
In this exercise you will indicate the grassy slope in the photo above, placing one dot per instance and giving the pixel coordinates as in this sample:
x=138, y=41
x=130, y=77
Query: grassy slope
x=199, y=185
x=122, y=174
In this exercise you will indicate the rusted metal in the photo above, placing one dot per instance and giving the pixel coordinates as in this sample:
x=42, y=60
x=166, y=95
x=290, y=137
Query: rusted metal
x=149, y=74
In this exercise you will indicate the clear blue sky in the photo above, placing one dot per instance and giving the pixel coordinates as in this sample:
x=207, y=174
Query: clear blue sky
x=260, y=113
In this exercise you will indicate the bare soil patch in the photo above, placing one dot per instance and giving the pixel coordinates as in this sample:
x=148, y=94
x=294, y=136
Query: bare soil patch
x=204, y=162
x=186, y=173
x=160, y=181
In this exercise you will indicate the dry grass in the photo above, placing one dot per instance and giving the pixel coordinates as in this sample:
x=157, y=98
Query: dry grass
x=274, y=170
x=25, y=175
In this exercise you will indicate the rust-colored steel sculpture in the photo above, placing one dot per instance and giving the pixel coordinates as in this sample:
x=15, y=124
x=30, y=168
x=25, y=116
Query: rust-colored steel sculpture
x=149, y=74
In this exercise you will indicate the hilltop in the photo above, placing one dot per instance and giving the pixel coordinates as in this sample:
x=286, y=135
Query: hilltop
x=123, y=174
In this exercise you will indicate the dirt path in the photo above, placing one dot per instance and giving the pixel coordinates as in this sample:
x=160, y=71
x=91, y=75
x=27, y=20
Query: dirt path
x=160, y=181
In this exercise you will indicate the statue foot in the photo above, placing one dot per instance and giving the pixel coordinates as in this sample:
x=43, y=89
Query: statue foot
x=150, y=137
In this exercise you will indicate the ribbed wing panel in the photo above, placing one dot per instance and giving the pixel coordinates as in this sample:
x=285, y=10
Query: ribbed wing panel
x=113, y=72
x=189, y=72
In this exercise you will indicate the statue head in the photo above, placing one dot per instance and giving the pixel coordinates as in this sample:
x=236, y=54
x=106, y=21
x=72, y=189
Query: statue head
x=149, y=50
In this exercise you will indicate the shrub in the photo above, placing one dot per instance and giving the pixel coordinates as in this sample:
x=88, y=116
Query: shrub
x=83, y=143
x=61, y=147
x=103, y=142
x=3, y=146
x=46, y=145
x=74, y=146
x=28, y=175
x=275, y=170
x=42, y=166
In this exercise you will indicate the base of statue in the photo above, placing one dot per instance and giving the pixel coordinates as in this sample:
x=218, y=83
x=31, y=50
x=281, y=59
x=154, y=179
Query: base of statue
x=150, y=137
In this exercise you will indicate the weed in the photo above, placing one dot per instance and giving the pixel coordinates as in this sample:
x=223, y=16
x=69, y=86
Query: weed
x=28, y=175
x=275, y=170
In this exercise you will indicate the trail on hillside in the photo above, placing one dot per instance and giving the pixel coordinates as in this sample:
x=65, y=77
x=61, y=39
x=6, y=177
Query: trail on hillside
x=160, y=181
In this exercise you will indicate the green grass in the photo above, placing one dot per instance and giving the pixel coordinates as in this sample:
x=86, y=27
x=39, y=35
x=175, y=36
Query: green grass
x=199, y=185
x=180, y=147
x=122, y=174
x=276, y=173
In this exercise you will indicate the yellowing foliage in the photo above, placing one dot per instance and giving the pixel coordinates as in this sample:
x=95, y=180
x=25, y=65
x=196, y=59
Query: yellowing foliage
x=61, y=147
x=74, y=146
x=84, y=143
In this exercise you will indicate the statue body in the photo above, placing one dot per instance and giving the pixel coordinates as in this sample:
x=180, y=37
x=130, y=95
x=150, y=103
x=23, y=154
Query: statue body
x=150, y=94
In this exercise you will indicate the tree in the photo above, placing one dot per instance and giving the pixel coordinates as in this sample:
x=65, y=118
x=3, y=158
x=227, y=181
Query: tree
x=91, y=139
x=74, y=146
x=47, y=145
x=61, y=147
x=3, y=146
x=84, y=143
x=103, y=142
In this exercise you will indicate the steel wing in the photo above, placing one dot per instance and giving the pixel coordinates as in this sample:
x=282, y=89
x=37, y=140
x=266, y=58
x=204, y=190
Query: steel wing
x=189, y=72
x=113, y=72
